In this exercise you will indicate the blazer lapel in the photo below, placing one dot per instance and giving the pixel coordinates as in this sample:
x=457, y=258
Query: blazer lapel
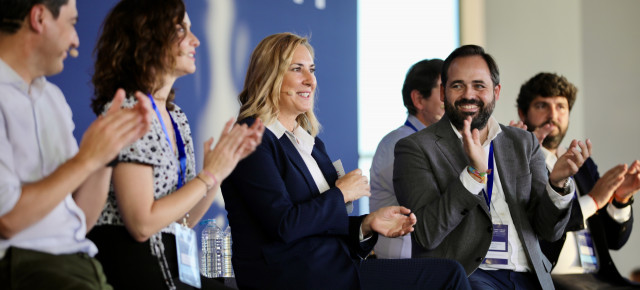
x=451, y=148
x=325, y=164
x=298, y=162
x=504, y=154
x=450, y=145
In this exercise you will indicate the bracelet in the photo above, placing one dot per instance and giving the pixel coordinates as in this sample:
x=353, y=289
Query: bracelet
x=215, y=180
x=480, y=175
x=594, y=200
x=618, y=204
x=209, y=186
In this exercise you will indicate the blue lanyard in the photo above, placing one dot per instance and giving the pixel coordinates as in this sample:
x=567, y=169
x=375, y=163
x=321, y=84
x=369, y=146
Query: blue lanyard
x=487, y=194
x=182, y=156
x=408, y=124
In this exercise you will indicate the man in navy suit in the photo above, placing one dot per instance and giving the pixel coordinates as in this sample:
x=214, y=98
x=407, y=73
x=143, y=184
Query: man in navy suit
x=596, y=225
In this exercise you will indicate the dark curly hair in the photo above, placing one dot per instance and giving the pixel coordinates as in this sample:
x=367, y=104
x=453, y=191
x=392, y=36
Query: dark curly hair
x=545, y=85
x=13, y=12
x=136, y=47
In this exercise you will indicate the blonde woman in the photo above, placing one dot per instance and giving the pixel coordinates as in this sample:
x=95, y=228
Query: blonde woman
x=286, y=204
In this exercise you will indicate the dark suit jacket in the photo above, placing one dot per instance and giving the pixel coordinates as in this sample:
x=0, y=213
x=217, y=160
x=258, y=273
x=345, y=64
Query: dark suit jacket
x=606, y=233
x=286, y=235
x=456, y=224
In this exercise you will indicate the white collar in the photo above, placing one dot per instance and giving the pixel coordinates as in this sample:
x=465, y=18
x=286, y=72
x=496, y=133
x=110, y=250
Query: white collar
x=299, y=137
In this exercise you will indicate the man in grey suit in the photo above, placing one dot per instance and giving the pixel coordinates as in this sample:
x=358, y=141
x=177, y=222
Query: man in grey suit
x=480, y=190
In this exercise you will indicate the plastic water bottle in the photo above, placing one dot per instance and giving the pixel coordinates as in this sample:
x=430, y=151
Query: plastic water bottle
x=226, y=254
x=211, y=259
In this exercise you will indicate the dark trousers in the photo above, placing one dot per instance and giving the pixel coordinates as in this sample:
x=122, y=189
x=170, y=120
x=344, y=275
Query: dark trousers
x=503, y=279
x=27, y=269
x=412, y=274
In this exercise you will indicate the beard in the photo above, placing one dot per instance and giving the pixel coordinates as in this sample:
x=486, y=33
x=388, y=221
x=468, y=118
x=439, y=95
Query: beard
x=549, y=142
x=457, y=117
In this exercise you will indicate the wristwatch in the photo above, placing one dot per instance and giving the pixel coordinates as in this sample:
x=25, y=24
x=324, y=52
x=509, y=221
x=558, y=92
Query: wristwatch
x=618, y=204
x=565, y=187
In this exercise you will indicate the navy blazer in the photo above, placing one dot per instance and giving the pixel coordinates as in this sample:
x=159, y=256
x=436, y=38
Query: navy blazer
x=605, y=232
x=286, y=235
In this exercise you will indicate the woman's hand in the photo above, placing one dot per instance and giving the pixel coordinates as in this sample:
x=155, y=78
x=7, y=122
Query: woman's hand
x=253, y=138
x=236, y=142
x=390, y=221
x=353, y=185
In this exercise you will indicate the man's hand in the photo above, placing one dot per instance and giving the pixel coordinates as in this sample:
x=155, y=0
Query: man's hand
x=473, y=147
x=570, y=162
x=607, y=185
x=119, y=127
x=540, y=132
x=518, y=124
x=391, y=221
x=630, y=185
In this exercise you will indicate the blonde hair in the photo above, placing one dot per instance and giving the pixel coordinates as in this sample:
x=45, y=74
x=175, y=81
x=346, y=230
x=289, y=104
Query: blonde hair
x=261, y=93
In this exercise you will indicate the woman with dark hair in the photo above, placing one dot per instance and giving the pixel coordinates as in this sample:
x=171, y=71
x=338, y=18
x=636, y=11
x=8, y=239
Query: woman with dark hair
x=156, y=192
x=289, y=224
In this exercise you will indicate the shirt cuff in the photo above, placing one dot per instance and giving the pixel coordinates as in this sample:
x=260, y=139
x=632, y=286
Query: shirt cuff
x=588, y=207
x=561, y=201
x=361, y=237
x=469, y=183
x=620, y=215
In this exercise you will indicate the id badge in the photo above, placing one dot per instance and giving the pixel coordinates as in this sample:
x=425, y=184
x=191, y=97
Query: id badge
x=340, y=170
x=588, y=258
x=188, y=267
x=498, y=253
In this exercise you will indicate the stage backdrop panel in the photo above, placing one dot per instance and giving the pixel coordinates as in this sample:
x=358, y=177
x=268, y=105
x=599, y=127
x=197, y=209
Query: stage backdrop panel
x=228, y=31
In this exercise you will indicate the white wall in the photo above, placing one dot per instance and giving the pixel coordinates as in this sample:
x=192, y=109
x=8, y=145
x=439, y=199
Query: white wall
x=595, y=45
x=611, y=73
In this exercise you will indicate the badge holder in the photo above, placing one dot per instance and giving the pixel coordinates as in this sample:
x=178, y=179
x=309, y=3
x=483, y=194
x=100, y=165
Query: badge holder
x=498, y=253
x=188, y=267
x=588, y=258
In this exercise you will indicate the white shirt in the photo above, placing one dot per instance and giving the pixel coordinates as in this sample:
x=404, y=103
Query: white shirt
x=35, y=138
x=500, y=213
x=382, y=193
x=569, y=259
x=304, y=144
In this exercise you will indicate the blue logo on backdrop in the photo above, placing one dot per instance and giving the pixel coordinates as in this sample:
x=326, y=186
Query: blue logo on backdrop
x=228, y=31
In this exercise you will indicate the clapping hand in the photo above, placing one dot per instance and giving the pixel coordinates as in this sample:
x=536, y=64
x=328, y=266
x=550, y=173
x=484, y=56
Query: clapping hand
x=540, y=132
x=353, y=185
x=604, y=188
x=391, y=221
x=570, y=162
x=631, y=183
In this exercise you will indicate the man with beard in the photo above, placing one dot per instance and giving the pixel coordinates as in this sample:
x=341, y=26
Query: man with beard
x=480, y=190
x=544, y=104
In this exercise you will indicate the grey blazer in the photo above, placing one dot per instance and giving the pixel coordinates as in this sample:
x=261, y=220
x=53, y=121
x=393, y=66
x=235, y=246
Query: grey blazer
x=456, y=224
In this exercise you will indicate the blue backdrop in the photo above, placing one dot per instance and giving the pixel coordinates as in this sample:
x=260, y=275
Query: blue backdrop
x=228, y=32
